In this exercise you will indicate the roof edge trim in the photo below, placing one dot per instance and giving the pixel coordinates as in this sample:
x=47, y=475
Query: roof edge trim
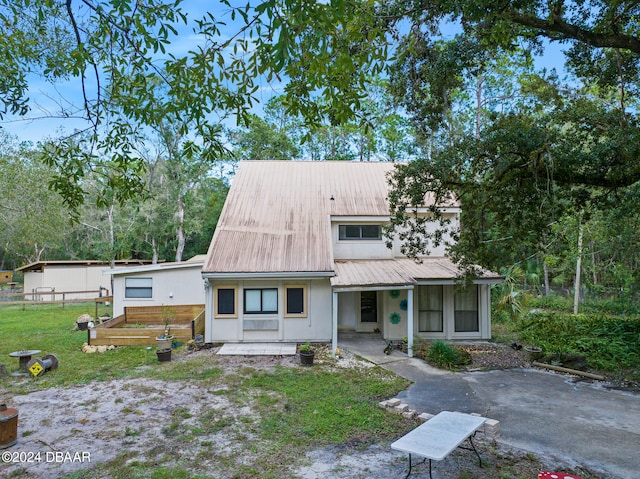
x=268, y=275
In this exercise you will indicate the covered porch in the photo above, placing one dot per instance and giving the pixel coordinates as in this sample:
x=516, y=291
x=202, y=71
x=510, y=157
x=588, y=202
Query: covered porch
x=403, y=300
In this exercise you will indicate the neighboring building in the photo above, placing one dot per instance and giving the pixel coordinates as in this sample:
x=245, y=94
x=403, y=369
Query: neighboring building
x=298, y=254
x=44, y=277
x=159, y=284
x=6, y=276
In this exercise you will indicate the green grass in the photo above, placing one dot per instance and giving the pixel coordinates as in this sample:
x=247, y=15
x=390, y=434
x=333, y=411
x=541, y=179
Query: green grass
x=49, y=328
x=288, y=410
x=320, y=407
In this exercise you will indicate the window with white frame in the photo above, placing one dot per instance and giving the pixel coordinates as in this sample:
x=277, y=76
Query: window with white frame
x=261, y=301
x=359, y=232
x=466, y=310
x=138, y=287
x=430, y=309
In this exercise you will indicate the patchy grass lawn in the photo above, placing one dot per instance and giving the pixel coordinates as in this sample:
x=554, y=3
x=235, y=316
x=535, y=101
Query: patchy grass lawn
x=283, y=410
x=207, y=416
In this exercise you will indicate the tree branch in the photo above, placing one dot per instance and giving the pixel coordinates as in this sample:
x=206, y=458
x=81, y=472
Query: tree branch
x=76, y=31
x=570, y=31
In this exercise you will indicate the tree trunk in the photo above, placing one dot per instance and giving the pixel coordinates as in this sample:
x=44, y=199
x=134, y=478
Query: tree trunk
x=545, y=269
x=180, y=233
x=38, y=252
x=112, y=237
x=154, y=248
x=479, y=88
x=576, y=295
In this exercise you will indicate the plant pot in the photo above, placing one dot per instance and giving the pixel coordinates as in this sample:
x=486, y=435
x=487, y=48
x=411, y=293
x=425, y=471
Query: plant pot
x=306, y=357
x=535, y=352
x=164, y=355
x=165, y=343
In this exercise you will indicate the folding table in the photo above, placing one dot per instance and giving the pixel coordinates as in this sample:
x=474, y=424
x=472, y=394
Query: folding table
x=436, y=438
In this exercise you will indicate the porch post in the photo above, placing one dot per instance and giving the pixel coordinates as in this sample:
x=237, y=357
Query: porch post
x=334, y=324
x=410, y=322
x=208, y=312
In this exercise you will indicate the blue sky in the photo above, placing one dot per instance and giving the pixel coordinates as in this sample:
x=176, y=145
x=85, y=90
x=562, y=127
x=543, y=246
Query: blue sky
x=46, y=98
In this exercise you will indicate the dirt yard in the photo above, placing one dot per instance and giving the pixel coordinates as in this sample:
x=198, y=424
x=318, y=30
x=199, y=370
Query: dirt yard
x=71, y=429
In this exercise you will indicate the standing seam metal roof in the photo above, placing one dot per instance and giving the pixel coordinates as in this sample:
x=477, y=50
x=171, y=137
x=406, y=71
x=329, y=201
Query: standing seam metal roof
x=277, y=219
x=277, y=215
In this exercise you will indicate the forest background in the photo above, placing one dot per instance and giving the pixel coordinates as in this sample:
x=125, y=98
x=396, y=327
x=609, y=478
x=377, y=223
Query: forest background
x=545, y=162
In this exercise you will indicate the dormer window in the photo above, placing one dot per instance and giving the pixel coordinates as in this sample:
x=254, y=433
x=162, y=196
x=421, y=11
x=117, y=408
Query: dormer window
x=360, y=232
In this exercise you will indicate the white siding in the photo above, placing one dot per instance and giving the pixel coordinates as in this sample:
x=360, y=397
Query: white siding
x=314, y=326
x=170, y=287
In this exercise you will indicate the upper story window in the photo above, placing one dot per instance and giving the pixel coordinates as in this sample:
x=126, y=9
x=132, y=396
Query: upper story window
x=359, y=232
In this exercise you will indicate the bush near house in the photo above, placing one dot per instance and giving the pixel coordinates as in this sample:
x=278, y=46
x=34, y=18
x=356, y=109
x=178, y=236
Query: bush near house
x=608, y=342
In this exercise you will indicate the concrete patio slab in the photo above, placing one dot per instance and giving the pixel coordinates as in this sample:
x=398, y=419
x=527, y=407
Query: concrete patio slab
x=258, y=349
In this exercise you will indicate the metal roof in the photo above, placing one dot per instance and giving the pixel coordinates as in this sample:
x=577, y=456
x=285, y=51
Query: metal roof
x=277, y=215
x=277, y=219
x=40, y=265
x=399, y=272
x=195, y=262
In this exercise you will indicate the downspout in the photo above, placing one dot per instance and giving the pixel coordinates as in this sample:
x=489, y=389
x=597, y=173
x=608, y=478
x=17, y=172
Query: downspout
x=334, y=324
x=410, y=322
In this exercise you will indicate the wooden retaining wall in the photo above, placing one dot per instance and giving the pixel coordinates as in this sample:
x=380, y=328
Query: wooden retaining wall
x=141, y=325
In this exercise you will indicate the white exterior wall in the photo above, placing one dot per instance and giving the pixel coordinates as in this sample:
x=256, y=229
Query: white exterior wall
x=377, y=249
x=391, y=305
x=66, y=278
x=438, y=252
x=170, y=287
x=348, y=310
x=315, y=326
x=358, y=249
x=32, y=281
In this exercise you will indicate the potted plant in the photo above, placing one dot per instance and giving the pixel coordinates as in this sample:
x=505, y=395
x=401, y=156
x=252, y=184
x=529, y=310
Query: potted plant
x=306, y=354
x=164, y=355
x=165, y=340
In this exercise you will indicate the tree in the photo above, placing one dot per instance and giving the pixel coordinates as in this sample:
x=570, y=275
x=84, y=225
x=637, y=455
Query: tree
x=557, y=148
x=33, y=217
x=262, y=140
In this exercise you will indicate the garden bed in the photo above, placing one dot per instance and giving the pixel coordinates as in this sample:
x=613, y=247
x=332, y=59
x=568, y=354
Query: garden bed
x=141, y=325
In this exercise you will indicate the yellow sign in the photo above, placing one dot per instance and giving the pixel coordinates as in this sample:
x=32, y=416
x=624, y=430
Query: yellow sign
x=36, y=368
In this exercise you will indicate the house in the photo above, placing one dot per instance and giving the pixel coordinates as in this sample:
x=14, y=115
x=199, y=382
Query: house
x=299, y=255
x=43, y=277
x=176, y=283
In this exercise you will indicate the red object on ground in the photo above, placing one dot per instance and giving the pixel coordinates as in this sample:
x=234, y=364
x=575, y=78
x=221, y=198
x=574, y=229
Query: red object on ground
x=557, y=475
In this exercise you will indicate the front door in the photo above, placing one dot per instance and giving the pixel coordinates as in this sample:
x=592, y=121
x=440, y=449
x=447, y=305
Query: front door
x=368, y=311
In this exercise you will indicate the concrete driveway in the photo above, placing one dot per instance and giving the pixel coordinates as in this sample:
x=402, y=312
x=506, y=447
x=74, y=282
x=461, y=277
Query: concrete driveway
x=563, y=416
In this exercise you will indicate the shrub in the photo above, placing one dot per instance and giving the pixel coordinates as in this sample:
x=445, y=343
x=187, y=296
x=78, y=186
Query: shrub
x=608, y=342
x=447, y=356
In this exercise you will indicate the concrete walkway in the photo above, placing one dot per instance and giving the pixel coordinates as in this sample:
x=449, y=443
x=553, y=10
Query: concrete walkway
x=258, y=349
x=577, y=421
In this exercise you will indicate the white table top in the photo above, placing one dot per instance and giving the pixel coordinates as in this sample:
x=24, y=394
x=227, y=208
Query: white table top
x=440, y=435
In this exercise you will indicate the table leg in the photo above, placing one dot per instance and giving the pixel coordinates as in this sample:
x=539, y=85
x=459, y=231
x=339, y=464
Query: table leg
x=411, y=465
x=475, y=450
x=408, y=473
